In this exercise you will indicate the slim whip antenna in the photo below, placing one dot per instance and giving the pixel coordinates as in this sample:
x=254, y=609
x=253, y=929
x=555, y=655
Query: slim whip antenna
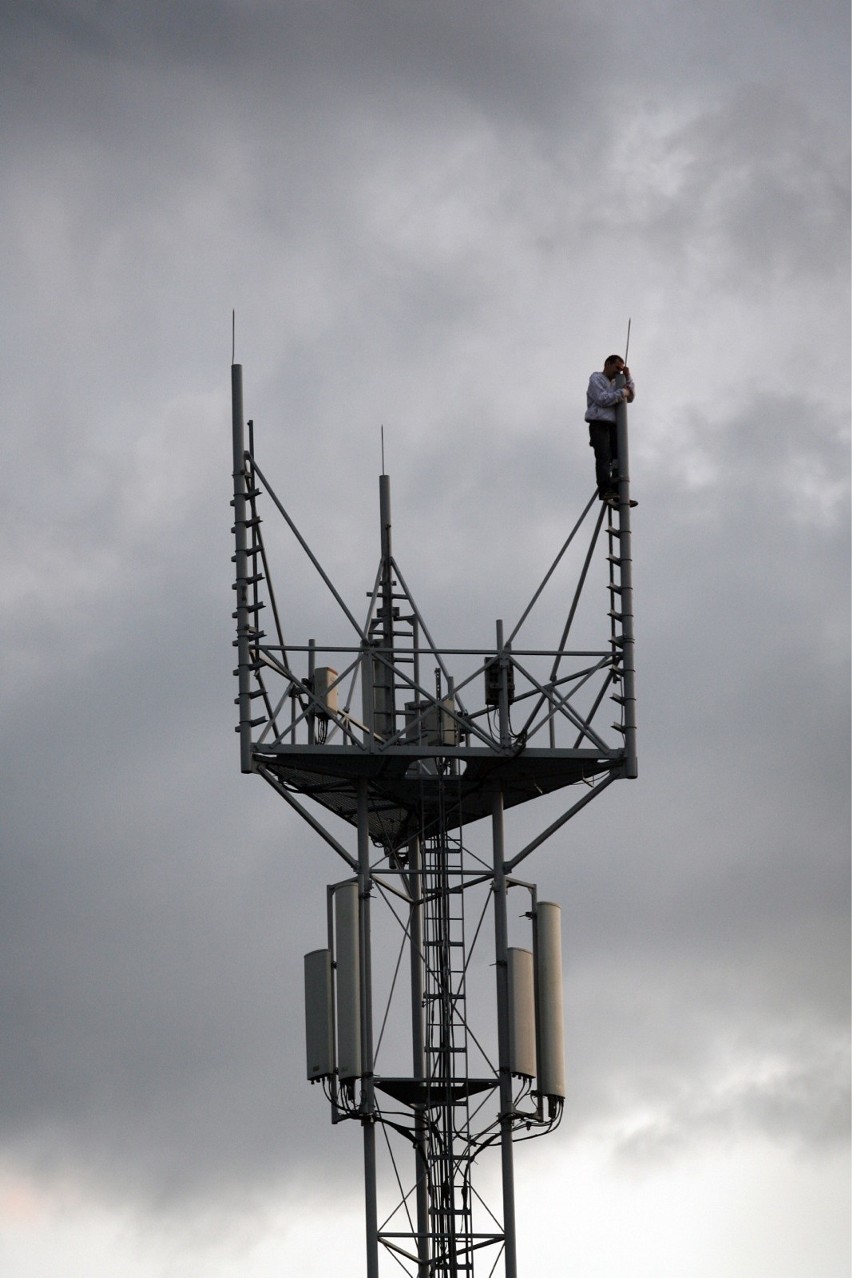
x=233, y=335
x=627, y=343
x=383, y=449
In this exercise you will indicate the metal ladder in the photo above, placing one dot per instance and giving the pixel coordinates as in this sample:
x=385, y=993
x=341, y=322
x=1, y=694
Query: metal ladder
x=616, y=612
x=447, y=1054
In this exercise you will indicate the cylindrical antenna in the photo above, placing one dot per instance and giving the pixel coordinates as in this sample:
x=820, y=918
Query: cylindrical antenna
x=521, y=1012
x=627, y=343
x=550, y=1054
x=383, y=449
x=233, y=336
x=347, y=955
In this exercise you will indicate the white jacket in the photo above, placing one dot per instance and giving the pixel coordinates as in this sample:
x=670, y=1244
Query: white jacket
x=602, y=397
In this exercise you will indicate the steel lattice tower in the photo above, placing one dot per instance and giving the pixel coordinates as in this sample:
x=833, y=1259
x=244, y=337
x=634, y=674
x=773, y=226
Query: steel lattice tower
x=412, y=745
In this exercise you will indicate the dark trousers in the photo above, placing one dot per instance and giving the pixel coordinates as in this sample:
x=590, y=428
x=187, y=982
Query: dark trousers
x=602, y=438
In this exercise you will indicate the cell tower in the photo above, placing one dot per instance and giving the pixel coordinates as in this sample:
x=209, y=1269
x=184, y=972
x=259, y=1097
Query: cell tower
x=411, y=745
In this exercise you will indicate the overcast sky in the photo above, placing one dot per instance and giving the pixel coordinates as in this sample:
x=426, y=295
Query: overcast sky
x=434, y=216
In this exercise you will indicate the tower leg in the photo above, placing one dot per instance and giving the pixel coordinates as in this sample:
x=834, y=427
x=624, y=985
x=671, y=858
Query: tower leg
x=501, y=947
x=368, y=1098
x=421, y=1153
x=625, y=554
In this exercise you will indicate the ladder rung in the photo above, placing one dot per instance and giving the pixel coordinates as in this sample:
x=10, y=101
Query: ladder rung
x=255, y=692
x=247, y=608
x=252, y=723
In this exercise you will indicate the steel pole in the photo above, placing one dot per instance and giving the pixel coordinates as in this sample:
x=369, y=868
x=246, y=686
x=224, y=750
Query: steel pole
x=418, y=1053
x=503, y=708
x=501, y=954
x=241, y=572
x=625, y=555
x=367, y=1107
x=384, y=677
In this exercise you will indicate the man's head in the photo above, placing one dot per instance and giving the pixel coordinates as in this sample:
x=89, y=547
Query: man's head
x=613, y=365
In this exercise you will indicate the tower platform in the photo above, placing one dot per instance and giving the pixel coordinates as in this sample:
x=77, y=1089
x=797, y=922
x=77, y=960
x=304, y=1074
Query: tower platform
x=412, y=787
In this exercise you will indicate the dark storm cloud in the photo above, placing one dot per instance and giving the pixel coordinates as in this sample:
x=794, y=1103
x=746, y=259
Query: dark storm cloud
x=750, y=180
x=372, y=51
x=140, y=1001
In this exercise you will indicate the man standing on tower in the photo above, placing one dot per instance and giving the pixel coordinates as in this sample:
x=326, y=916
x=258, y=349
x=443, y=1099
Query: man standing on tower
x=601, y=400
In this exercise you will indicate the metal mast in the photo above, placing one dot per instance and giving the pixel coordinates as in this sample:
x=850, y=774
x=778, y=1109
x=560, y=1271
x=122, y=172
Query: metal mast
x=409, y=746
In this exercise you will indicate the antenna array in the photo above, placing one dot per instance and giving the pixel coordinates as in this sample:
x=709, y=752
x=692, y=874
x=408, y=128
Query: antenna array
x=397, y=752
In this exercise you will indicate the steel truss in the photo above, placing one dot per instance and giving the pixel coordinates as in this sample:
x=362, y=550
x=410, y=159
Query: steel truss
x=412, y=745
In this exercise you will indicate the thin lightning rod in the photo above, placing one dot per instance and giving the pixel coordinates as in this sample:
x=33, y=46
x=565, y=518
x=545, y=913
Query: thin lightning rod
x=233, y=336
x=627, y=343
x=383, y=449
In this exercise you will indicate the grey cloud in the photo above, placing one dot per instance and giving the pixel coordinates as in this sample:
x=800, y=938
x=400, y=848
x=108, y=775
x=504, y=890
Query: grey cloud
x=420, y=223
x=802, y=1100
x=747, y=193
